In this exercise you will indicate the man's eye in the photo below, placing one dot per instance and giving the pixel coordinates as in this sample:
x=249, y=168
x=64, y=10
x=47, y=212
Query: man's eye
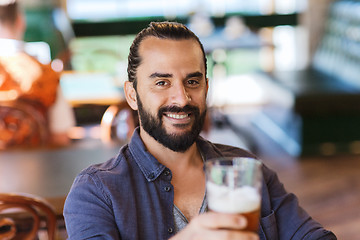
x=161, y=83
x=192, y=82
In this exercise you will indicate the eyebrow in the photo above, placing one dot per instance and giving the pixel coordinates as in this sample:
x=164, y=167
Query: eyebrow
x=194, y=74
x=168, y=75
x=160, y=75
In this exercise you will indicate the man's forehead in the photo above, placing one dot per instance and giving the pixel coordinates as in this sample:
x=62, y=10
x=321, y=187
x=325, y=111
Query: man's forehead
x=154, y=49
x=152, y=42
x=168, y=55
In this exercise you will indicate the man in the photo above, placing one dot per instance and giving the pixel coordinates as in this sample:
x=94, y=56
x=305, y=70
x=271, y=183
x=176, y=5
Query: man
x=28, y=84
x=155, y=187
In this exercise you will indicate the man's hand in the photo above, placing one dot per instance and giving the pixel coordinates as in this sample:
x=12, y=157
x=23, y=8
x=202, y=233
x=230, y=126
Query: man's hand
x=216, y=226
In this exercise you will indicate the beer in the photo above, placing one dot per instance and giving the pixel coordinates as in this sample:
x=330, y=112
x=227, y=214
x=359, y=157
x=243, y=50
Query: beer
x=233, y=185
x=244, y=200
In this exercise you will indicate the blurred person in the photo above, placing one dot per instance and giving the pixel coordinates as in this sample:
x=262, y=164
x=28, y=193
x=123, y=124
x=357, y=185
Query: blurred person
x=30, y=86
x=155, y=187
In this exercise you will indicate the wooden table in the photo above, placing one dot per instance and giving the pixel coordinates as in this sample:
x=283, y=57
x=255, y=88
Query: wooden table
x=49, y=173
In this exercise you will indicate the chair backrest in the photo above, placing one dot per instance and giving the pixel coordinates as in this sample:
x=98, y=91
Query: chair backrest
x=22, y=125
x=35, y=206
x=118, y=123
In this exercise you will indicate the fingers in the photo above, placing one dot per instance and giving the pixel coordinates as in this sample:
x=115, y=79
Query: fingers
x=213, y=220
x=216, y=226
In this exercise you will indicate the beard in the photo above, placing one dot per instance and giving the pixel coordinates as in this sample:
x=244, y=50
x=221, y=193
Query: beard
x=176, y=142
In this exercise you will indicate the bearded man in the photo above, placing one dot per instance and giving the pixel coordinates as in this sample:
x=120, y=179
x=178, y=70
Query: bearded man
x=155, y=187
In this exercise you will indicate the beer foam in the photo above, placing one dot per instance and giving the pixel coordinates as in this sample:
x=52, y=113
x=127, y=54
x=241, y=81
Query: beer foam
x=226, y=200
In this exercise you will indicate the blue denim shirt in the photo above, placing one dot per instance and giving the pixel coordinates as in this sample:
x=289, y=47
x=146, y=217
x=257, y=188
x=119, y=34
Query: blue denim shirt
x=131, y=197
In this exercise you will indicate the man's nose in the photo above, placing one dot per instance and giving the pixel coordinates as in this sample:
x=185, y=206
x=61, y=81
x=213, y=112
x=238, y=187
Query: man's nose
x=180, y=95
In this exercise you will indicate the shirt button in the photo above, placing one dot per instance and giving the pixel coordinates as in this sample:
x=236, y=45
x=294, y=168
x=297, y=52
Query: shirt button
x=167, y=189
x=152, y=175
x=170, y=230
x=167, y=173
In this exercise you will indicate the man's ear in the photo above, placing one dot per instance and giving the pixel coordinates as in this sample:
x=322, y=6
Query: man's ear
x=130, y=95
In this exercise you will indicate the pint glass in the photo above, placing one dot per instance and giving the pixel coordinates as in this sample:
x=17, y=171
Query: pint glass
x=233, y=185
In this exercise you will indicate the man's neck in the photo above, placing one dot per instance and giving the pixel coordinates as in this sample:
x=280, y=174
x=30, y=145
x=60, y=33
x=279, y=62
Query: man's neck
x=175, y=161
x=188, y=177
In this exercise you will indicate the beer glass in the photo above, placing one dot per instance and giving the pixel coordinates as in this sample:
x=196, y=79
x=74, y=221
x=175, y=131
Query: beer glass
x=233, y=185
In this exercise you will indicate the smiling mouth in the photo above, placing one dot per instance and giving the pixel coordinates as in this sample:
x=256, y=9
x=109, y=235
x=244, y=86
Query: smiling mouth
x=177, y=116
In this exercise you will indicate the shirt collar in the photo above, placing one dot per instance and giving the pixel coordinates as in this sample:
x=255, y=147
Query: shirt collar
x=150, y=166
x=10, y=47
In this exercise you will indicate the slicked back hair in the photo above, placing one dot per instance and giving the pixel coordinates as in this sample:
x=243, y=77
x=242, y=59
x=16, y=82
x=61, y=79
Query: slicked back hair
x=162, y=30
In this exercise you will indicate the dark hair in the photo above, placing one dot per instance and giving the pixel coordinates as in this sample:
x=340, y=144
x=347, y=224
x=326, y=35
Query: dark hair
x=8, y=13
x=163, y=30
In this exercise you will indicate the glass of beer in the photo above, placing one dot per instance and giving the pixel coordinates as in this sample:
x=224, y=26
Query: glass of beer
x=233, y=185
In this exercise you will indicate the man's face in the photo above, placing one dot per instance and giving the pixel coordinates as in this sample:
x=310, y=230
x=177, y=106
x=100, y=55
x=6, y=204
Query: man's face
x=171, y=91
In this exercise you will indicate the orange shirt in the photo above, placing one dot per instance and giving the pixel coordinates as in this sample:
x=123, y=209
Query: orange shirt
x=27, y=90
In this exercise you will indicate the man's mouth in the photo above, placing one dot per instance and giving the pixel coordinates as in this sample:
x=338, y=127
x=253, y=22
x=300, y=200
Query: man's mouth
x=177, y=116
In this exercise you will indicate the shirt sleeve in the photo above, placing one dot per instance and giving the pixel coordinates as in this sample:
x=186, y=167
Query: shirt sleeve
x=88, y=213
x=283, y=218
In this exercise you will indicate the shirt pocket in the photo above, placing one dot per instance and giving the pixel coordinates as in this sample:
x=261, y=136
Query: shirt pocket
x=268, y=227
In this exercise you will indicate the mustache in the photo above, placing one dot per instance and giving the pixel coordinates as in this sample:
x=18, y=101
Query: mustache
x=176, y=109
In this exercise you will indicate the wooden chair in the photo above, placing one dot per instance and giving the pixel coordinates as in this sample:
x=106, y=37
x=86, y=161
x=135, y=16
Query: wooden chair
x=118, y=123
x=36, y=207
x=22, y=125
